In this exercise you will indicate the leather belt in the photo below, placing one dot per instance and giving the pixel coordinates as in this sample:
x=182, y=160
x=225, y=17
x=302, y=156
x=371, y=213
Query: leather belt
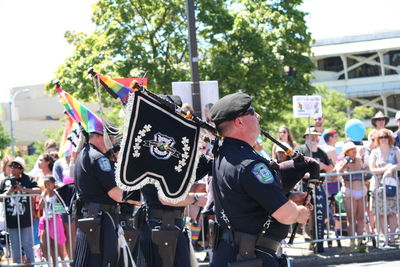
x=93, y=208
x=262, y=241
x=158, y=213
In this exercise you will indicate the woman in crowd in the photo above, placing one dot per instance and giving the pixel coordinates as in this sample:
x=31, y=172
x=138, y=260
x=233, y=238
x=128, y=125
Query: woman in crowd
x=383, y=162
x=354, y=189
x=285, y=135
x=45, y=165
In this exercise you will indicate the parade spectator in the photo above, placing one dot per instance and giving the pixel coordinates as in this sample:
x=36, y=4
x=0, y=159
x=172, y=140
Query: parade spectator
x=187, y=107
x=319, y=127
x=18, y=211
x=397, y=133
x=45, y=164
x=330, y=137
x=280, y=154
x=384, y=160
x=207, y=108
x=61, y=170
x=354, y=189
x=379, y=121
x=284, y=135
x=47, y=203
x=5, y=167
x=310, y=148
x=259, y=148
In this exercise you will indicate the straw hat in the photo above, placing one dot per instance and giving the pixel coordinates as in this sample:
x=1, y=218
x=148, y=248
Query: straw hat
x=347, y=146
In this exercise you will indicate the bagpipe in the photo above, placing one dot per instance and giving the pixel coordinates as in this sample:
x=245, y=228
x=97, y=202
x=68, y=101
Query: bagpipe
x=152, y=154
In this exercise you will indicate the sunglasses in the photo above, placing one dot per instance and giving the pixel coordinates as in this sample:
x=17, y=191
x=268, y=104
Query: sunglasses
x=380, y=119
x=15, y=166
x=250, y=111
x=318, y=119
x=383, y=137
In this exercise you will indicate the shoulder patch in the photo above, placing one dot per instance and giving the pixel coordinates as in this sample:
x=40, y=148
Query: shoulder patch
x=262, y=173
x=104, y=164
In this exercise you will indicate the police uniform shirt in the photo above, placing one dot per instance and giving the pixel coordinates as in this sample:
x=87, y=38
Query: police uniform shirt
x=249, y=189
x=94, y=176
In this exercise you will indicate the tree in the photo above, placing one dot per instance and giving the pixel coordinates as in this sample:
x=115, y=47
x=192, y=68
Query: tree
x=258, y=46
x=4, y=139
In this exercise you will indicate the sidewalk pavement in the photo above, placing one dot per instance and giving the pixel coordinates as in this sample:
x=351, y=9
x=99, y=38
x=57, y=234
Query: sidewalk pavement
x=300, y=255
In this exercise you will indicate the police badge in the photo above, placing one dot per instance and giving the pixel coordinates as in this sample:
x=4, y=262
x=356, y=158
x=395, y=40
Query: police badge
x=159, y=147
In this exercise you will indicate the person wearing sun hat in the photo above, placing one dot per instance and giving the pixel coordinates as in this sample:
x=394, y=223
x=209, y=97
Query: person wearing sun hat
x=353, y=189
x=18, y=211
x=379, y=121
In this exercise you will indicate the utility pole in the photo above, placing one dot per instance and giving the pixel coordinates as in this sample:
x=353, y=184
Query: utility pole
x=194, y=59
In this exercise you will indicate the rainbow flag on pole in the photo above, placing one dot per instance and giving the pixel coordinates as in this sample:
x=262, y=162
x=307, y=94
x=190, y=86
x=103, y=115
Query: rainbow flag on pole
x=115, y=88
x=79, y=113
x=65, y=143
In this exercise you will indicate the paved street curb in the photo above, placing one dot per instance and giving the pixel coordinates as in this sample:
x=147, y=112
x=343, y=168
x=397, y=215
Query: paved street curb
x=346, y=258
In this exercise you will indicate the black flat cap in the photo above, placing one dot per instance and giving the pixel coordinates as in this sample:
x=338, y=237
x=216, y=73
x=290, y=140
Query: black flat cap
x=230, y=107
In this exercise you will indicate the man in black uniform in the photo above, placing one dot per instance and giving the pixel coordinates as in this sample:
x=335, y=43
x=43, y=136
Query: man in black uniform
x=96, y=235
x=252, y=211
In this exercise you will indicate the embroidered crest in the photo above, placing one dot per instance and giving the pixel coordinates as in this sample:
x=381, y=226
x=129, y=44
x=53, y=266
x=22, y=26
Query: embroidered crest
x=262, y=173
x=104, y=164
x=162, y=147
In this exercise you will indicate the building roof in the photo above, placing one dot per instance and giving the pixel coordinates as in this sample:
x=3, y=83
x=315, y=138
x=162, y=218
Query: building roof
x=357, y=44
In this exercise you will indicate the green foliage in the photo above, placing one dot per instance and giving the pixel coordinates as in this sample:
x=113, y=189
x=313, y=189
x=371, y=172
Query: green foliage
x=334, y=109
x=258, y=46
x=362, y=112
x=5, y=139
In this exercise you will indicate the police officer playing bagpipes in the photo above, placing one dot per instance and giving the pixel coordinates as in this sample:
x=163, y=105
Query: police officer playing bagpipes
x=97, y=229
x=253, y=212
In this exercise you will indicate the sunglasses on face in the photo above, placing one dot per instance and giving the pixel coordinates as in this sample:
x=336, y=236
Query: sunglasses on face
x=383, y=137
x=250, y=111
x=318, y=119
x=380, y=119
x=15, y=166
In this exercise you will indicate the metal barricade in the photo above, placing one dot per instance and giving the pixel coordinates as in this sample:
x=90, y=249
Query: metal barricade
x=51, y=218
x=354, y=198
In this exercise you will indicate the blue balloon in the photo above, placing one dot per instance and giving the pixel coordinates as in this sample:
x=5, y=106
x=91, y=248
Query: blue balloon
x=355, y=130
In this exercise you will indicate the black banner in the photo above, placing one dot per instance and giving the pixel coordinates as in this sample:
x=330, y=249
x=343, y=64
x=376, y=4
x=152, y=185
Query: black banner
x=159, y=147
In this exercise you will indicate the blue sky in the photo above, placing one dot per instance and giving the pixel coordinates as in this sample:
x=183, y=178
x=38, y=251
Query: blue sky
x=33, y=44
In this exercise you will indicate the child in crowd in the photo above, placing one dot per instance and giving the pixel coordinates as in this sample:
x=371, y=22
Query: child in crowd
x=47, y=203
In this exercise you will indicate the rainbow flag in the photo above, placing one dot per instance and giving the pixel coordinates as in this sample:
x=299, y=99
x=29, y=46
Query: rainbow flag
x=115, y=88
x=65, y=143
x=79, y=113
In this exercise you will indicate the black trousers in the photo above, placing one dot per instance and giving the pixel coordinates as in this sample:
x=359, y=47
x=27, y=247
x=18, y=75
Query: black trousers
x=108, y=245
x=148, y=252
x=227, y=251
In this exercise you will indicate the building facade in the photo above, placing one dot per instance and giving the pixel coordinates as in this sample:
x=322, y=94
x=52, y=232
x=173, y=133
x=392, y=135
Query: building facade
x=366, y=68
